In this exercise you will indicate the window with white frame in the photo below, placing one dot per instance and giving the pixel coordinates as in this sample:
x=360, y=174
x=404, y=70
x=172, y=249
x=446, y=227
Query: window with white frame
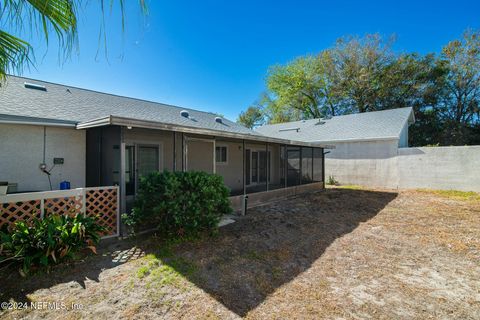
x=221, y=154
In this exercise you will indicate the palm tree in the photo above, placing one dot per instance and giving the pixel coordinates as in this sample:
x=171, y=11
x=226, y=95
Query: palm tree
x=45, y=16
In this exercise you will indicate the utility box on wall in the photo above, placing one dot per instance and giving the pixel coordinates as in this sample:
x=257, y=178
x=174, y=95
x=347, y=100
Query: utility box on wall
x=58, y=160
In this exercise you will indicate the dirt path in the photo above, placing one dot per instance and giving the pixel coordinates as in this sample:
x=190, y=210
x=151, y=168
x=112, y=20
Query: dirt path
x=341, y=253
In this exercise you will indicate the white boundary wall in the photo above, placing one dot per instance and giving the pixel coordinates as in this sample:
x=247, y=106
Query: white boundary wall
x=443, y=168
x=446, y=168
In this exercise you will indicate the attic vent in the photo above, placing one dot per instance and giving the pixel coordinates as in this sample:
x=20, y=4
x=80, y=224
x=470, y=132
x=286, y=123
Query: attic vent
x=29, y=85
x=184, y=113
x=289, y=129
x=219, y=119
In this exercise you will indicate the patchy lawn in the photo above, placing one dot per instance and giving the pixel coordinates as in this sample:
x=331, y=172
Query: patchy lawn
x=340, y=253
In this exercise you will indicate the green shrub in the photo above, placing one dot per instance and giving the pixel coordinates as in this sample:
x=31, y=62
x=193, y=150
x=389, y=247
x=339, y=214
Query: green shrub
x=48, y=241
x=180, y=204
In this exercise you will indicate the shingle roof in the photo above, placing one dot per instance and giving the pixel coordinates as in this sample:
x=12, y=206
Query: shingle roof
x=62, y=102
x=386, y=124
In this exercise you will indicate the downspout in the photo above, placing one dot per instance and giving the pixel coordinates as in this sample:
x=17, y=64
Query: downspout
x=245, y=197
x=313, y=164
x=323, y=166
x=285, y=154
x=214, y=155
x=267, y=166
x=44, y=142
x=183, y=152
x=174, y=151
x=244, y=168
x=43, y=165
x=300, y=180
x=123, y=200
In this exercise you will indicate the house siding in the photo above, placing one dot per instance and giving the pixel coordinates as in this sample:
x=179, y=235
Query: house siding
x=21, y=153
x=232, y=170
x=403, y=142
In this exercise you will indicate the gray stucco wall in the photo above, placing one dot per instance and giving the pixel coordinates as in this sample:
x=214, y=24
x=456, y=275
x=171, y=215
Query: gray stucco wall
x=21, y=153
x=199, y=155
x=367, y=163
x=382, y=164
x=233, y=169
x=444, y=168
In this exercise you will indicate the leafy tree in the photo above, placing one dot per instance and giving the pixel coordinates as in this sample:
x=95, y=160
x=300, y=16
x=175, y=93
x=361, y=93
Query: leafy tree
x=44, y=17
x=252, y=117
x=362, y=74
x=362, y=68
x=275, y=112
x=305, y=85
x=459, y=104
x=356, y=75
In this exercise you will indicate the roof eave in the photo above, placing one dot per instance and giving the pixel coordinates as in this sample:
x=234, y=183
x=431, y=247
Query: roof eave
x=361, y=140
x=99, y=122
x=24, y=120
x=130, y=122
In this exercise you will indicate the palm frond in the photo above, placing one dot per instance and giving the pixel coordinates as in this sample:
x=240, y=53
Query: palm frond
x=15, y=54
x=45, y=15
x=61, y=16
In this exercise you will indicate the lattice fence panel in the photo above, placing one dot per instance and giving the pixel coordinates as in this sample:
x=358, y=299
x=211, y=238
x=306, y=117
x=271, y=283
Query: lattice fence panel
x=64, y=205
x=103, y=204
x=18, y=211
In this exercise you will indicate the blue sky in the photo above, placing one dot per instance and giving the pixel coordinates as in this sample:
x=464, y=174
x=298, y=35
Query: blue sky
x=214, y=55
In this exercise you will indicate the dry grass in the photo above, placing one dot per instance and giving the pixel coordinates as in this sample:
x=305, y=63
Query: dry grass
x=454, y=194
x=343, y=253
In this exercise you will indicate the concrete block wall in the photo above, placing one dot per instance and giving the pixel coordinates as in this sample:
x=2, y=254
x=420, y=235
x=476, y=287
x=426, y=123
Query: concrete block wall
x=369, y=163
x=444, y=168
x=384, y=165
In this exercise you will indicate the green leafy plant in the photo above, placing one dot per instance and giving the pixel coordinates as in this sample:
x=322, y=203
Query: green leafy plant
x=48, y=241
x=180, y=204
x=332, y=181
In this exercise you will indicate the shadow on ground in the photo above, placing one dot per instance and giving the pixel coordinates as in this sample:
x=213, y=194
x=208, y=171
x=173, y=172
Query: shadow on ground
x=274, y=243
x=248, y=260
x=111, y=253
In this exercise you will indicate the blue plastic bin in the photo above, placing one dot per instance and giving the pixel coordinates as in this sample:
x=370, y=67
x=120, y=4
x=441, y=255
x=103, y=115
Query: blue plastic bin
x=64, y=185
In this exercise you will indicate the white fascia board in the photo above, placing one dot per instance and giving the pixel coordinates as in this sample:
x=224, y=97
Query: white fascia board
x=128, y=122
x=360, y=140
x=38, y=123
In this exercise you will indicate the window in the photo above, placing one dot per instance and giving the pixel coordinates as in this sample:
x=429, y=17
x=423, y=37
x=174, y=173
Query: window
x=221, y=154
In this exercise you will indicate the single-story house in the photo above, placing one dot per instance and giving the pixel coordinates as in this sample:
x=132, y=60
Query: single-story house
x=365, y=143
x=51, y=133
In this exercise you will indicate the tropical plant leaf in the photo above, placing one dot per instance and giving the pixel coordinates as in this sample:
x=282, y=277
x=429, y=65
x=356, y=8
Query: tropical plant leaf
x=15, y=54
x=44, y=17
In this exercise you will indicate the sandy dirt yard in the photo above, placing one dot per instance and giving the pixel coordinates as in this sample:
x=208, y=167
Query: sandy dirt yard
x=342, y=253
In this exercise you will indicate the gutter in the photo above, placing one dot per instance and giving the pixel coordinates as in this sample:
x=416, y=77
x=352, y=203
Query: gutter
x=362, y=140
x=39, y=123
x=129, y=122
